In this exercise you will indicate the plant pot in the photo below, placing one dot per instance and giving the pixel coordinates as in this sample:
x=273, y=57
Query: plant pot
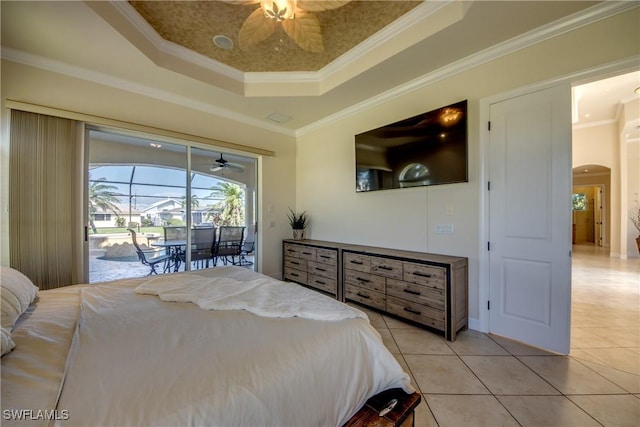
x=298, y=233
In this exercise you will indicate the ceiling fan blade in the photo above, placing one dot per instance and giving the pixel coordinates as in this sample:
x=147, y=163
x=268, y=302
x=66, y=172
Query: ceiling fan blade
x=235, y=167
x=305, y=31
x=255, y=29
x=216, y=168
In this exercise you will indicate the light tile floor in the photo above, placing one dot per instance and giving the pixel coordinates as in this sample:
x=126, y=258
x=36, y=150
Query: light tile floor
x=486, y=380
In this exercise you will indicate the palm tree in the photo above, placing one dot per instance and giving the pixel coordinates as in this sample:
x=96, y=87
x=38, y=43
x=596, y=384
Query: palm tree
x=195, y=203
x=230, y=210
x=101, y=196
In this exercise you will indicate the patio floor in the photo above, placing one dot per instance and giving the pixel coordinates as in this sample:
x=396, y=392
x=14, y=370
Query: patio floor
x=108, y=269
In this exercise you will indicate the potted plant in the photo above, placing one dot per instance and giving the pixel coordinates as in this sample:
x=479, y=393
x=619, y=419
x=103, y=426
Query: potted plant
x=634, y=215
x=298, y=222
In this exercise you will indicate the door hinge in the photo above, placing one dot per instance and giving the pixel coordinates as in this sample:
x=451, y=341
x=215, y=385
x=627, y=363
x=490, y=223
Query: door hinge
x=488, y=246
x=488, y=305
x=488, y=185
x=489, y=125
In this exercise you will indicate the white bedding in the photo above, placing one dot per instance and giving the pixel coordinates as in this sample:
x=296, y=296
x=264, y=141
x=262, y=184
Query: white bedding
x=137, y=360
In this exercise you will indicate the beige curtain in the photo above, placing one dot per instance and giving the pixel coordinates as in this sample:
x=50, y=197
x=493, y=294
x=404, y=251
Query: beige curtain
x=44, y=198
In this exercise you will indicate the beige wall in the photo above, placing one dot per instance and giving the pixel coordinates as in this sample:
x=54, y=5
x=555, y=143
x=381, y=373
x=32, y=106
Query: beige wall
x=406, y=218
x=276, y=174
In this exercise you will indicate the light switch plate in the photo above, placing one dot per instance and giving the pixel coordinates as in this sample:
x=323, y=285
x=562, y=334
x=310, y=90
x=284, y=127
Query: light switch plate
x=444, y=228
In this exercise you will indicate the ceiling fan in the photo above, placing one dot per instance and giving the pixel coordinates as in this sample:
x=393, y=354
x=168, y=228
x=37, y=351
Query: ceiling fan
x=222, y=164
x=296, y=17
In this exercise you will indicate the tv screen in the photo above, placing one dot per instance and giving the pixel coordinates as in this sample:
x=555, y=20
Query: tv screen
x=427, y=149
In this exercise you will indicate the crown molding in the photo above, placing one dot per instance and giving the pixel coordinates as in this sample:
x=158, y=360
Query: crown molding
x=594, y=124
x=134, y=87
x=545, y=32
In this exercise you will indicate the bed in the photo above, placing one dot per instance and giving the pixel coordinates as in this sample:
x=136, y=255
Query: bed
x=223, y=346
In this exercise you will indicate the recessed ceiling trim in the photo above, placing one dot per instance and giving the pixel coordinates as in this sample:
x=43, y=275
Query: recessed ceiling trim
x=134, y=87
x=408, y=30
x=126, y=20
x=417, y=25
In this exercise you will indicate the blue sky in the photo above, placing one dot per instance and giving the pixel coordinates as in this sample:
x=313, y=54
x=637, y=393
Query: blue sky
x=150, y=184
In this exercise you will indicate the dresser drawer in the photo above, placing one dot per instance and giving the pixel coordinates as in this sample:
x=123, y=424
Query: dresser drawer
x=292, y=250
x=426, y=275
x=323, y=283
x=364, y=280
x=295, y=275
x=416, y=312
x=386, y=267
x=357, y=262
x=327, y=256
x=307, y=253
x=295, y=263
x=366, y=296
x=321, y=269
x=412, y=292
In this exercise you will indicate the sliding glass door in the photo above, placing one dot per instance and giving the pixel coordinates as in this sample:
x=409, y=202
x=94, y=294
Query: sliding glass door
x=149, y=200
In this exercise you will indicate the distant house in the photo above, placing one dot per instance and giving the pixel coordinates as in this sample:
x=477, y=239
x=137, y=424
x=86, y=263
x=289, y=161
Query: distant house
x=107, y=218
x=161, y=212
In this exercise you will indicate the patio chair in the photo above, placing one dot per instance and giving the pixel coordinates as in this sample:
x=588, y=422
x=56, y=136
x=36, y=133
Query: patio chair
x=203, y=240
x=175, y=233
x=229, y=245
x=246, y=249
x=149, y=257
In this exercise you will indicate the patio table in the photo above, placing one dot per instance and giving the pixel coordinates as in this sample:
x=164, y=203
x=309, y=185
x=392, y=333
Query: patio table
x=176, y=250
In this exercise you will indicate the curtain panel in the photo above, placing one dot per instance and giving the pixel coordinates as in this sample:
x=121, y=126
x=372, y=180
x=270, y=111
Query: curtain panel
x=44, y=199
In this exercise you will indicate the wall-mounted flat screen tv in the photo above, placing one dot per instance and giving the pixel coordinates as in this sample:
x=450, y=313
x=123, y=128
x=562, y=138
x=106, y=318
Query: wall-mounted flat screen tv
x=427, y=149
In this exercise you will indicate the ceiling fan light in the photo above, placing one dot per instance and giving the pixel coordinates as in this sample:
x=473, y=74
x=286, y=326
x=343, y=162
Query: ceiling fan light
x=279, y=9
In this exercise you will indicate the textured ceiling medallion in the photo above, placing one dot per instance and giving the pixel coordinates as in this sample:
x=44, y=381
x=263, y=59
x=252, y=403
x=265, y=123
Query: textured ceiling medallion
x=296, y=18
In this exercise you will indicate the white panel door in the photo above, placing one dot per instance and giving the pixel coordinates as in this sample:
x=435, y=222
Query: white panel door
x=530, y=218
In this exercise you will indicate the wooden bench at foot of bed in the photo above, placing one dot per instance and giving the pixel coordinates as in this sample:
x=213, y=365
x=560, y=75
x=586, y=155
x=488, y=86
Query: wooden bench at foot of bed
x=402, y=415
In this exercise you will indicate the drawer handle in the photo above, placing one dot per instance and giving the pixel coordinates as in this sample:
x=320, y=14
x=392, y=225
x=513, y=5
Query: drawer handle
x=409, y=291
x=360, y=279
x=320, y=282
x=320, y=269
x=356, y=262
x=290, y=250
x=417, y=273
x=295, y=262
x=325, y=256
x=411, y=311
x=306, y=253
x=384, y=267
x=363, y=296
x=295, y=275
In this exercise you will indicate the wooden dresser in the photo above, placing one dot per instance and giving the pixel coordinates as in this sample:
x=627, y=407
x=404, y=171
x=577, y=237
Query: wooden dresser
x=312, y=263
x=428, y=289
x=425, y=288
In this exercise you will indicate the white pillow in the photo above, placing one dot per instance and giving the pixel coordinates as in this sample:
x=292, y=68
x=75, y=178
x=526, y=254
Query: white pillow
x=7, y=342
x=17, y=293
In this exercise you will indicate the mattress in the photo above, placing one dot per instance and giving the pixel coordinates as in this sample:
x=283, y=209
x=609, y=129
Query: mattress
x=109, y=356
